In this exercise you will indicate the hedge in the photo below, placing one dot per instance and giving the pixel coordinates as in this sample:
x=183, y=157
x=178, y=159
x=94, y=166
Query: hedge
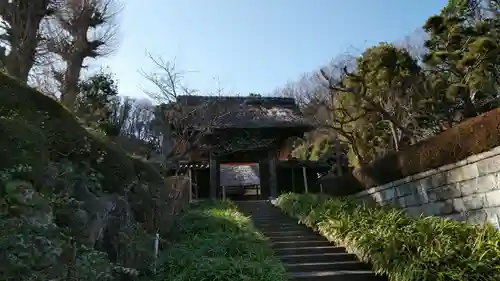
x=470, y=137
x=213, y=241
x=402, y=247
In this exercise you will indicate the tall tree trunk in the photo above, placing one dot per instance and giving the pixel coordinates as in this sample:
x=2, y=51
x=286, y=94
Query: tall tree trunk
x=19, y=62
x=167, y=144
x=24, y=18
x=70, y=83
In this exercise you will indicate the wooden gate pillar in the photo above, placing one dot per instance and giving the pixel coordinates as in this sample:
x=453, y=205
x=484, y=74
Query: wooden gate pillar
x=273, y=182
x=214, y=176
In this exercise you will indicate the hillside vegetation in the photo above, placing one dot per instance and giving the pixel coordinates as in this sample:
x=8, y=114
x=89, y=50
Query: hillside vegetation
x=215, y=241
x=402, y=247
x=78, y=199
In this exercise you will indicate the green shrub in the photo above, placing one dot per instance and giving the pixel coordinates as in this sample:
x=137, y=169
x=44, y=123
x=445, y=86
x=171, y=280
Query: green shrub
x=216, y=242
x=404, y=248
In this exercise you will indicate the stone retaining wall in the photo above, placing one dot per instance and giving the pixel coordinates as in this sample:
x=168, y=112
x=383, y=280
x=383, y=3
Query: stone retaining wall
x=468, y=190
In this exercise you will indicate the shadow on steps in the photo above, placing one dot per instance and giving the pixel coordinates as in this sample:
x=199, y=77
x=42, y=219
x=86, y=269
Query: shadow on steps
x=306, y=255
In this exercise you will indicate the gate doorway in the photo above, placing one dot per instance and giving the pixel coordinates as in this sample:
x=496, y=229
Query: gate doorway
x=240, y=181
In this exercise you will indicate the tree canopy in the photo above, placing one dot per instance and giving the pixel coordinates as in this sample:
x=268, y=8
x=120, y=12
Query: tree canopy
x=391, y=96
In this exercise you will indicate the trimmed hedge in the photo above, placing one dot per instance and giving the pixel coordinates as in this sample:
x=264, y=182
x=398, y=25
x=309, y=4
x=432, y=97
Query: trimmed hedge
x=402, y=247
x=213, y=241
x=341, y=186
x=470, y=137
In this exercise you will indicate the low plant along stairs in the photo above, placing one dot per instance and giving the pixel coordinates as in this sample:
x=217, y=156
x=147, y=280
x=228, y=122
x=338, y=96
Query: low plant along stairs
x=307, y=256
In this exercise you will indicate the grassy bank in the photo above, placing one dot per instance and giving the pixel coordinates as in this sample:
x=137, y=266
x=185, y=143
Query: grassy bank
x=213, y=241
x=404, y=248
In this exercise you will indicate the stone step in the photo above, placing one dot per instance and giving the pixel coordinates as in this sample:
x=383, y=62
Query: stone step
x=269, y=208
x=286, y=233
x=300, y=250
x=256, y=205
x=282, y=228
x=268, y=215
x=279, y=225
x=322, y=257
x=277, y=244
x=269, y=218
x=258, y=208
x=307, y=256
x=343, y=275
x=275, y=222
x=326, y=266
x=284, y=238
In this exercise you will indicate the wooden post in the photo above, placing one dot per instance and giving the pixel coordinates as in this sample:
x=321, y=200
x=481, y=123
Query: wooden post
x=223, y=192
x=338, y=158
x=320, y=184
x=214, y=177
x=272, y=176
x=304, y=173
x=196, y=183
x=190, y=186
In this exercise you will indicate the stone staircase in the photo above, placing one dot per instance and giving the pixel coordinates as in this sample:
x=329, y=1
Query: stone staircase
x=306, y=255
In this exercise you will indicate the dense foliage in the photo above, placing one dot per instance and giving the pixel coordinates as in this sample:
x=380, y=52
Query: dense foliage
x=129, y=122
x=73, y=205
x=94, y=102
x=404, y=248
x=471, y=137
x=216, y=242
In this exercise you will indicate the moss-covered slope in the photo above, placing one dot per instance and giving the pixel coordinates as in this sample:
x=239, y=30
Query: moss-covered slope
x=95, y=197
x=30, y=118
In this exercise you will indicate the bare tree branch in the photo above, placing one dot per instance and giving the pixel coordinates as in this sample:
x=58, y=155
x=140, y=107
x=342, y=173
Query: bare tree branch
x=83, y=29
x=185, y=127
x=20, y=31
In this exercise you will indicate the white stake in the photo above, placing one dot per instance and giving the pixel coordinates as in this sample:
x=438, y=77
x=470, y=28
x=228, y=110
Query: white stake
x=304, y=173
x=157, y=240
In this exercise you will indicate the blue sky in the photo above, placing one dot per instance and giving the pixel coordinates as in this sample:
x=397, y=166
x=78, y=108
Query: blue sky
x=254, y=45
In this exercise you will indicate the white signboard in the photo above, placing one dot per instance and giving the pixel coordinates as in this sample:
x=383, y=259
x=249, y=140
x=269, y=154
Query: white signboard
x=239, y=175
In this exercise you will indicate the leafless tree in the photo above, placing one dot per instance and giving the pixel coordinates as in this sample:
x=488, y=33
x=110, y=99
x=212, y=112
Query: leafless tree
x=304, y=91
x=320, y=106
x=133, y=119
x=185, y=126
x=139, y=121
x=171, y=116
x=20, y=31
x=415, y=43
x=84, y=29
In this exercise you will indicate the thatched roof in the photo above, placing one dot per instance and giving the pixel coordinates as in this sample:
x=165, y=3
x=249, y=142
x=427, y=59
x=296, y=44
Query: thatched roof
x=244, y=112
